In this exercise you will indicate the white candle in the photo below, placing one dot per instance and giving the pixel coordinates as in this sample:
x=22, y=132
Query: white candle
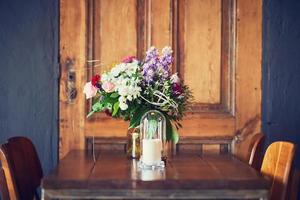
x=151, y=151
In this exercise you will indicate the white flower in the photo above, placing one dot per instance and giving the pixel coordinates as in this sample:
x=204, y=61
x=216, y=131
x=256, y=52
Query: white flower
x=122, y=103
x=175, y=78
x=123, y=91
x=123, y=106
x=129, y=97
x=118, y=69
x=131, y=68
x=105, y=77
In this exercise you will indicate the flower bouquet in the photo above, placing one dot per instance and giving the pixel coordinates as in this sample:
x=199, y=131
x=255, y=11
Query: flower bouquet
x=133, y=87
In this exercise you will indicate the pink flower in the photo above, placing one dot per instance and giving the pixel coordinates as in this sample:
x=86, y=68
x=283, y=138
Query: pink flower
x=128, y=59
x=108, y=87
x=89, y=90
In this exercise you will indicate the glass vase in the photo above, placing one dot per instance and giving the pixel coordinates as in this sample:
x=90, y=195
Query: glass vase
x=152, y=140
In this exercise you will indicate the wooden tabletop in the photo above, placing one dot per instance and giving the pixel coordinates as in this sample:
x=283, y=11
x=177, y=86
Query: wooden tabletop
x=185, y=176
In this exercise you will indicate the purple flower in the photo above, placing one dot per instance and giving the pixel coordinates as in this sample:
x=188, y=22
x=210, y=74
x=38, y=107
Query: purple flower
x=163, y=72
x=151, y=54
x=166, y=58
x=157, y=68
x=148, y=75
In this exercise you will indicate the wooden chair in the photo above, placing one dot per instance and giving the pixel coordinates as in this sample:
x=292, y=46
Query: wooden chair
x=276, y=165
x=3, y=186
x=250, y=149
x=257, y=150
x=22, y=168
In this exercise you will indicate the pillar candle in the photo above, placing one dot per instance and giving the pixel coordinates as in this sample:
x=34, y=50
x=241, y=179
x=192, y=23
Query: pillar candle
x=151, y=151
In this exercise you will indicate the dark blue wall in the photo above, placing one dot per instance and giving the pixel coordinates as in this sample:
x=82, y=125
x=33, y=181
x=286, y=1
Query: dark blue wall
x=28, y=74
x=281, y=71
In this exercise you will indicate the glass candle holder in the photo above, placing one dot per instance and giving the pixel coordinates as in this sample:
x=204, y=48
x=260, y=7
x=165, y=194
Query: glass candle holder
x=152, y=140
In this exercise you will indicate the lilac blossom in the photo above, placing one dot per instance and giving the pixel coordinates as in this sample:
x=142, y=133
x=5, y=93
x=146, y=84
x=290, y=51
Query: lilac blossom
x=166, y=58
x=156, y=68
x=151, y=54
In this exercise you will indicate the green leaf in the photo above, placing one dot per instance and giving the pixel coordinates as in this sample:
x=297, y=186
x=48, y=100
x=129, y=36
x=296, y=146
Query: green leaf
x=135, y=120
x=116, y=108
x=171, y=132
x=136, y=117
x=175, y=136
x=97, y=107
x=114, y=95
x=153, y=125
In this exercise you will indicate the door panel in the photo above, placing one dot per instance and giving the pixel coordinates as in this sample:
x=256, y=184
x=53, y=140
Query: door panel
x=203, y=35
x=115, y=35
x=201, y=39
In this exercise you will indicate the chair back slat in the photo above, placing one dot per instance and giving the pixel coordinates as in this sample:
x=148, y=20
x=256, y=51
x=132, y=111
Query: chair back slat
x=250, y=149
x=8, y=173
x=277, y=165
x=256, y=155
x=3, y=186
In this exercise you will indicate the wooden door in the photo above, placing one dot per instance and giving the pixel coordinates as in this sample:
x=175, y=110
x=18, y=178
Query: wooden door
x=217, y=51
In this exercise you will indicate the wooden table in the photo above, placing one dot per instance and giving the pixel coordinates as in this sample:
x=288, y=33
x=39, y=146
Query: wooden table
x=187, y=176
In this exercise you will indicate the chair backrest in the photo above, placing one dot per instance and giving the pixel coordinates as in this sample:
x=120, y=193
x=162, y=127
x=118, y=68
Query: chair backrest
x=22, y=168
x=277, y=165
x=3, y=185
x=257, y=150
x=250, y=149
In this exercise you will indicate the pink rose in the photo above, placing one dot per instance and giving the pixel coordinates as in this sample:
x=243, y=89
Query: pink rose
x=128, y=59
x=89, y=90
x=108, y=87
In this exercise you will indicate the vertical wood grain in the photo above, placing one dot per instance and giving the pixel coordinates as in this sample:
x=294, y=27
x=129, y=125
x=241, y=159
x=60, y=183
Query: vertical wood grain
x=161, y=23
x=117, y=36
x=202, y=49
x=248, y=61
x=73, y=59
